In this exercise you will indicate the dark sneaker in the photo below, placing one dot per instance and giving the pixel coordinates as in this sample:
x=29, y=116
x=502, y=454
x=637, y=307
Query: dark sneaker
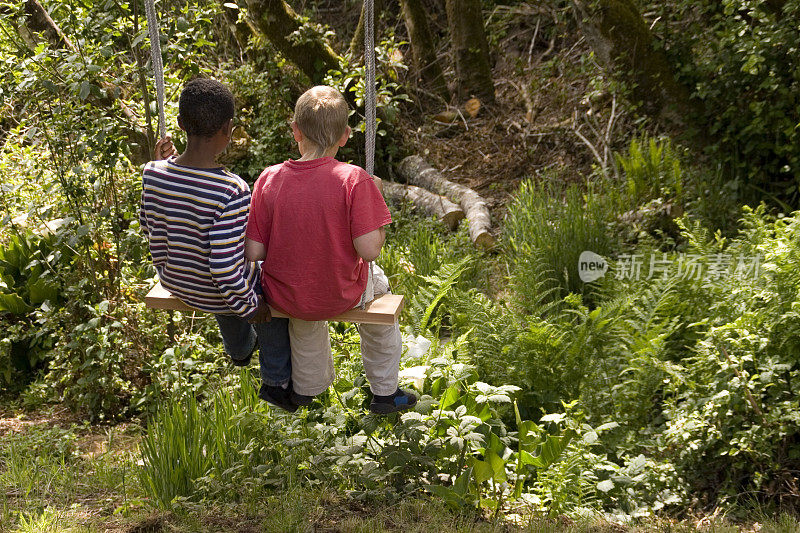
x=277, y=396
x=399, y=401
x=301, y=400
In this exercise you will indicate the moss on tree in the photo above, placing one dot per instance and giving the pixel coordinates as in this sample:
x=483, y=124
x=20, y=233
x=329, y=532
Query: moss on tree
x=622, y=40
x=422, y=48
x=277, y=21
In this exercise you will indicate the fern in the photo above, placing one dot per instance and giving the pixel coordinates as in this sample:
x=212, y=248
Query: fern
x=430, y=294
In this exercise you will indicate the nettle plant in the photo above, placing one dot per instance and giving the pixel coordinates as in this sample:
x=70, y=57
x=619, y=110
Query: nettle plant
x=732, y=411
x=454, y=444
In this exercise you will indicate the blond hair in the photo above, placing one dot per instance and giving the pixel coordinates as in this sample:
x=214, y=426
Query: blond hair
x=321, y=114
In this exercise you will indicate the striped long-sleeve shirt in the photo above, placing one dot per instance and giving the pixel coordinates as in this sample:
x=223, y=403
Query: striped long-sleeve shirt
x=195, y=221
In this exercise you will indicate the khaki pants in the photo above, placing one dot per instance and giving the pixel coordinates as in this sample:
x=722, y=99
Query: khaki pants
x=381, y=347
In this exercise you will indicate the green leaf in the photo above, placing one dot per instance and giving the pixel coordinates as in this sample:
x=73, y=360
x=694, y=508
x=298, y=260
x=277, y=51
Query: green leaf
x=486, y=503
x=450, y=497
x=528, y=435
x=481, y=471
x=461, y=486
x=449, y=397
x=182, y=24
x=605, y=486
x=590, y=437
x=12, y=303
x=42, y=290
x=551, y=450
x=526, y=458
x=495, y=444
x=85, y=90
x=497, y=465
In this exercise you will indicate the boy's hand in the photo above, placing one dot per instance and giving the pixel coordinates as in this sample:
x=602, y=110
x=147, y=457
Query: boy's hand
x=263, y=314
x=164, y=148
x=378, y=183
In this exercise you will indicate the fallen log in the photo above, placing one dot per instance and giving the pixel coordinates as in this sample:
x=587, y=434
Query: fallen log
x=414, y=170
x=431, y=204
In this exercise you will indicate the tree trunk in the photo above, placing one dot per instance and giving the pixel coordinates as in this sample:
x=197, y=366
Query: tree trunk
x=429, y=203
x=357, y=42
x=470, y=49
x=422, y=49
x=277, y=21
x=38, y=20
x=416, y=171
x=622, y=41
x=240, y=28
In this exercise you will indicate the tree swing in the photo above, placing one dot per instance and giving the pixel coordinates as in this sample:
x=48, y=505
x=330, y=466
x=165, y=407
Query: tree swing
x=382, y=310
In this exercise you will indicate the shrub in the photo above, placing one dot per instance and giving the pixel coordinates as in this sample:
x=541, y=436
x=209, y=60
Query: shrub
x=32, y=268
x=731, y=416
x=741, y=62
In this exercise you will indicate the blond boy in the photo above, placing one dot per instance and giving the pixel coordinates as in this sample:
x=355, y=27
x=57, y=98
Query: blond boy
x=317, y=223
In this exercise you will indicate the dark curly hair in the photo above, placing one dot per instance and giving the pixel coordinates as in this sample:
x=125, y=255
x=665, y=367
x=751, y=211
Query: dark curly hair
x=205, y=106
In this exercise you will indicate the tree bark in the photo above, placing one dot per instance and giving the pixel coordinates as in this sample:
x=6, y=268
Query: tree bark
x=277, y=21
x=471, y=50
x=39, y=21
x=423, y=51
x=429, y=203
x=622, y=41
x=416, y=171
x=357, y=42
x=240, y=29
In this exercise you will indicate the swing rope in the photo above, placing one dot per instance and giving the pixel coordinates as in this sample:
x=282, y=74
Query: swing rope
x=158, y=65
x=370, y=105
x=370, y=95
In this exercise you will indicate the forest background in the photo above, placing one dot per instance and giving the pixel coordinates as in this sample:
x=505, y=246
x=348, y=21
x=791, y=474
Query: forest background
x=664, y=137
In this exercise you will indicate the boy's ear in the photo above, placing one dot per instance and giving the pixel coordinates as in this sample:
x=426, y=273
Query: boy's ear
x=227, y=128
x=298, y=135
x=345, y=136
x=180, y=123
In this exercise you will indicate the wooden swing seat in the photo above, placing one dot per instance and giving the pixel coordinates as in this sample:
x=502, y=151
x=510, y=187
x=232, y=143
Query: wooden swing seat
x=384, y=309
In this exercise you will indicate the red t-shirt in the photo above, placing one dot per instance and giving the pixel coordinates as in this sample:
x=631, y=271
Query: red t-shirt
x=306, y=214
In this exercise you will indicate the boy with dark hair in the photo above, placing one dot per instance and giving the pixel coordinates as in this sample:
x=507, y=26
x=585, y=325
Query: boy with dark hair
x=194, y=214
x=318, y=223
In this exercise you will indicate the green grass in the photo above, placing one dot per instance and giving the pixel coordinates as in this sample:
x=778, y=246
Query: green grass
x=545, y=232
x=55, y=479
x=84, y=480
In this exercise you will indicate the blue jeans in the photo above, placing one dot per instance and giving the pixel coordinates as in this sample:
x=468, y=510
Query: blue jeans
x=239, y=337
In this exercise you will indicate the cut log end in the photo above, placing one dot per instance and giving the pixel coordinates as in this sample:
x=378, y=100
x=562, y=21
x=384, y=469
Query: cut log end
x=452, y=218
x=484, y=240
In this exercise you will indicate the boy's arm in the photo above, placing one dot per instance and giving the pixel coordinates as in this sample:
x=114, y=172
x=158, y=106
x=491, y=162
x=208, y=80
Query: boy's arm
x=368, y=216
x=227, y=260
x=368, y=246
x=254, y=250
x=143, y=206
